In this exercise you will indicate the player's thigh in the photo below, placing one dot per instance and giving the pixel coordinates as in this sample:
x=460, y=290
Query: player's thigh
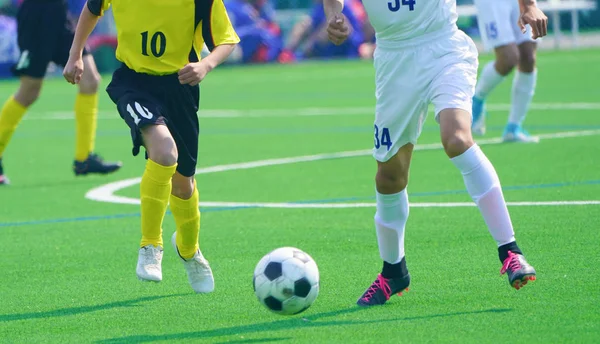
x=182, y=120
x=38, y=27
x=520, y=37
x=495, y=22
x=401, y=107
x=453, y=72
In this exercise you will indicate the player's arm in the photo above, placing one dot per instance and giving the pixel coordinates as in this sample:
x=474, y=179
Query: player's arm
x=86, y=24
x=337, y=29
x=220, y=38
x=532, y=15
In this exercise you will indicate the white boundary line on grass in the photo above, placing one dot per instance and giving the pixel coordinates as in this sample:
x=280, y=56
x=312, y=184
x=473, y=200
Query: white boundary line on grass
x=310, y=111
x=371, y=205
x=106, y=192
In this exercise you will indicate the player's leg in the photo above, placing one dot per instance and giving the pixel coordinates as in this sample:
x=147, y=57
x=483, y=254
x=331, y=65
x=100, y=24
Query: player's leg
x=13, y=111
x=390, y=222
x=184, y=195
x=496, y=27
x=451, y=94
x=86, y=108
x=483, y=184
x=133, y=95
x=400, y=113
x=86, y=116
x=523, y=87
x=37, y=35
x=155, y=189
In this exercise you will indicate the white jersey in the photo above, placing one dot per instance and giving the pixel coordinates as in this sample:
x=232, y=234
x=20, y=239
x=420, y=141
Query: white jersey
x=399, y=21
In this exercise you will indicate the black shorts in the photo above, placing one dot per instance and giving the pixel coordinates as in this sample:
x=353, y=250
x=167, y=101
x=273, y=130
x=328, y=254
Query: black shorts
x=45, y=32
x=144, y=99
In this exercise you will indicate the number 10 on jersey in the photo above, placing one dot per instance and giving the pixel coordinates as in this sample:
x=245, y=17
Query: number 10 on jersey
x=158, y=43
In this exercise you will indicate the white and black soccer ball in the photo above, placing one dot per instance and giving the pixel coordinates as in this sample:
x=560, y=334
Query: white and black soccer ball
x=286, y=281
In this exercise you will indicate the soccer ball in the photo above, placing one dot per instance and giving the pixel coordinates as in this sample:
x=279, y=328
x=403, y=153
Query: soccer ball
x=286, y=281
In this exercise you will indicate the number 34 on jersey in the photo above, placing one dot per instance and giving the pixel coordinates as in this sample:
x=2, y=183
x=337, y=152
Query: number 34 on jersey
x=395, y=5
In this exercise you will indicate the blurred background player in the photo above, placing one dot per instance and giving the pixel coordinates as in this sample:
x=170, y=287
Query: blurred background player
x=45, y=32
x=308, y=37
x=260, y=35
x=423, y=58
x=157, y=94
x=513, y=47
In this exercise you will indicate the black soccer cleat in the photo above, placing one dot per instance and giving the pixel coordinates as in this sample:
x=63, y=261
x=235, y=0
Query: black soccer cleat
x=519, y=272
x=3, y=179
x=381, y=290
x=95, y=164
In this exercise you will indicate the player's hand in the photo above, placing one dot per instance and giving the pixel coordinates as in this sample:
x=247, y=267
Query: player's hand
x=73, y=70
x=193, y=73
x=337, y=29
x=536, y=19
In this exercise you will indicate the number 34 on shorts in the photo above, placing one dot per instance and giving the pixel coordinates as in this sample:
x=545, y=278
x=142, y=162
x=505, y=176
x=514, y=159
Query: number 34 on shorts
x=382, y=137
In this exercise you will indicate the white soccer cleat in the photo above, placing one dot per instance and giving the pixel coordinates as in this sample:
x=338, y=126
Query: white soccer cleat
x=198, y=270
x=149, y=263
x=515, y=133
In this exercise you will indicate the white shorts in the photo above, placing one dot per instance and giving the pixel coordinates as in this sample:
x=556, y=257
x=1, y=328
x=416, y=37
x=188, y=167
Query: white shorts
x=441, y=71
x=498, y=23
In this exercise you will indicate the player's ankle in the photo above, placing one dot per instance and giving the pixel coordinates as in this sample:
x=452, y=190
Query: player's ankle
x=503, y=250
x=397, y=270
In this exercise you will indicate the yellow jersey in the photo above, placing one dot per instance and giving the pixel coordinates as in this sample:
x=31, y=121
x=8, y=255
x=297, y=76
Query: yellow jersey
x=159, y=37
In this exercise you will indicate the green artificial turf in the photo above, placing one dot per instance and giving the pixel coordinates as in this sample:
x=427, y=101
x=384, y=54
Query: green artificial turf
x=68, y=263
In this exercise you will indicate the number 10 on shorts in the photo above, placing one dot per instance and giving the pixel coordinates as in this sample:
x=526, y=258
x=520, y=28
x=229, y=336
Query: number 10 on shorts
x=382, y=138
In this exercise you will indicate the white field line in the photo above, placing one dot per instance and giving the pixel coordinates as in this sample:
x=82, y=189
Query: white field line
x=310, y=111
x=371, y=205
x=106, y=192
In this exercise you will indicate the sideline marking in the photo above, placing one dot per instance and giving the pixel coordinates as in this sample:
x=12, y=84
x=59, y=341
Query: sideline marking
x=371, y=205
x=106, y=192
x=310, y=111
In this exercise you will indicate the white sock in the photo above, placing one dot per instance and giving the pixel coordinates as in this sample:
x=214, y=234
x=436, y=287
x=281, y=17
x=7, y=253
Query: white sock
x=523, y=88
x=488, y=80
x=390, y=220
x=484, y=187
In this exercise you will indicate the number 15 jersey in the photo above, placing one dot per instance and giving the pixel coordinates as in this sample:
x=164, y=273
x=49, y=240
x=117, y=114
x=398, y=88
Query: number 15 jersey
x=159, y=37
x=404, y=21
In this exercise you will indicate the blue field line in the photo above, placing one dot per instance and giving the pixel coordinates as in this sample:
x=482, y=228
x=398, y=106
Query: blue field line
x=329, y=200
x=456, y=192
x=289, y=131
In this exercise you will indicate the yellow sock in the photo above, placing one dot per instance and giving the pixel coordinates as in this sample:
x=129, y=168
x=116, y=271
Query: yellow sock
x=187, y=219
x=10, y=117
x=86, y=115
x=155, y=189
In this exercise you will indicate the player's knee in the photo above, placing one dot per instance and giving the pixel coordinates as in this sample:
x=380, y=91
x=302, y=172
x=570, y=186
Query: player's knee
x=90, y=83
x=527, y=63
x=456, y=144
x=506, y=60
x=389, y=181
x=160, y=146
x=182, y=187
x=28, y=93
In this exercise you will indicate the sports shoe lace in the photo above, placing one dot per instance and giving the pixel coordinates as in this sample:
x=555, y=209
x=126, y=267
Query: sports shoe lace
x=381, y=283
x=511, y=263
